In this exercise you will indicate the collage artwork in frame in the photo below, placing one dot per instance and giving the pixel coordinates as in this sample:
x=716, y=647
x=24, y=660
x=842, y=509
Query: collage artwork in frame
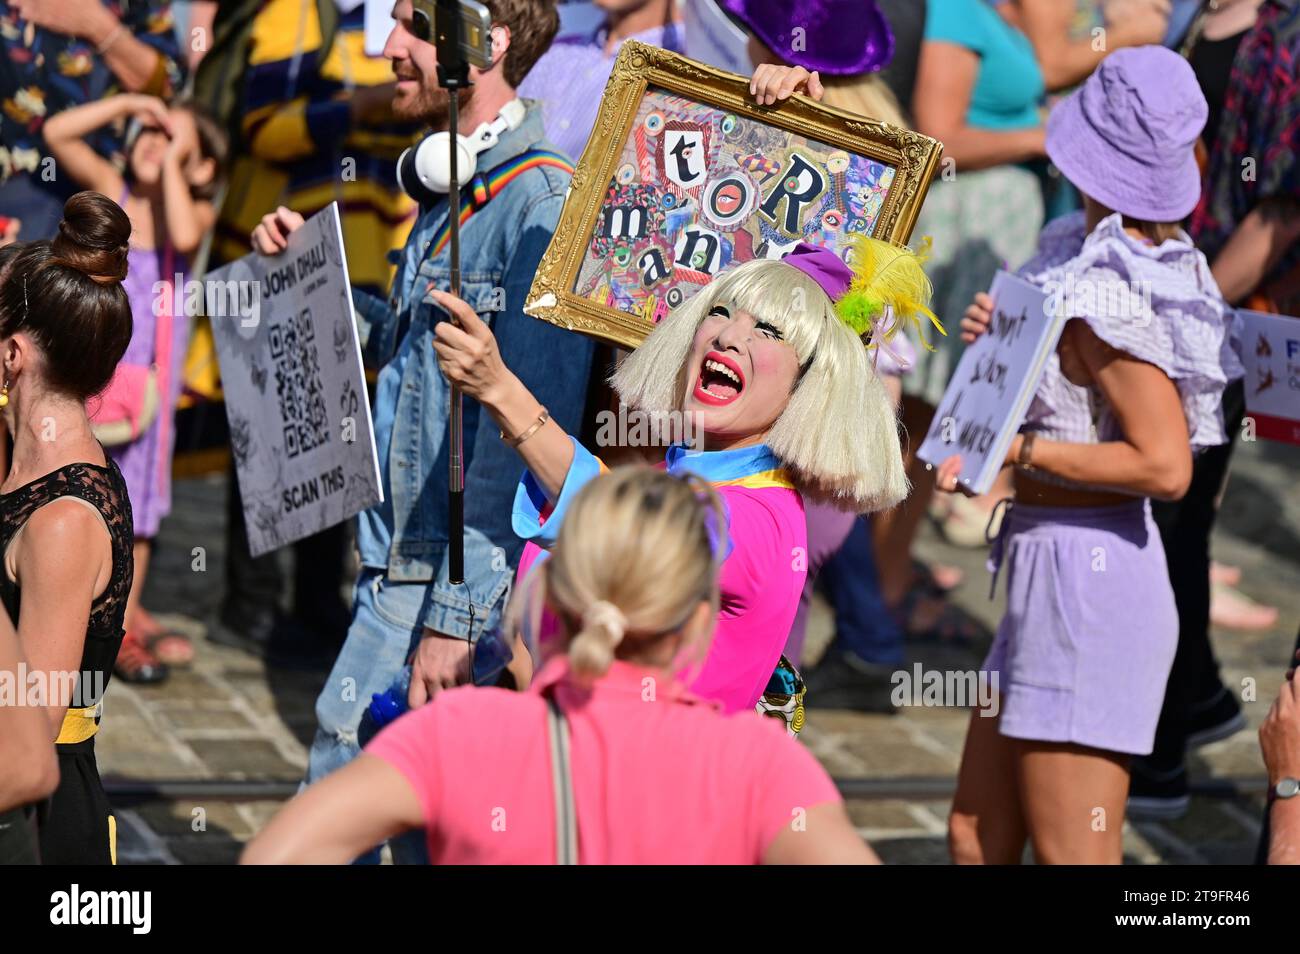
x=685, y=176
x=698, y=188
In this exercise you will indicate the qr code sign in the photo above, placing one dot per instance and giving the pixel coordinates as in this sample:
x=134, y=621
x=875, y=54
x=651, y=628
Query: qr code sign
x=298, y=384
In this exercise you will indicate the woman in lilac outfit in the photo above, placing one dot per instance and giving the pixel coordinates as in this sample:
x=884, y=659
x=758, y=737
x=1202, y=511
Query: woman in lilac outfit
x=1133, y=390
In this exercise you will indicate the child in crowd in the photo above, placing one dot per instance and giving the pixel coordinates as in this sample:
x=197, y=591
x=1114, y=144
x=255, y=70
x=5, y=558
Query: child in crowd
x=1133, y=389
x=633, y=581
x=173, y=169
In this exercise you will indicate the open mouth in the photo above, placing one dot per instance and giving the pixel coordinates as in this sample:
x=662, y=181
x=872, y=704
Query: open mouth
x=720, y=380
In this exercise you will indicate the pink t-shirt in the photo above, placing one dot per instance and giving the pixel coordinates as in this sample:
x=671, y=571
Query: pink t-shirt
x=659, y=776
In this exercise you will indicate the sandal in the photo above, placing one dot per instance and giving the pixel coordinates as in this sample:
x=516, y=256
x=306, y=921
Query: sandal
x=136, y=664
x=170, y=646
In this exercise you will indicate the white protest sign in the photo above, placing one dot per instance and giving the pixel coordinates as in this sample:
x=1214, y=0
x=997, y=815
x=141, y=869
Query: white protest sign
x=295, y=392
x=1270, y=350
x=379, y=23
x=986, y=400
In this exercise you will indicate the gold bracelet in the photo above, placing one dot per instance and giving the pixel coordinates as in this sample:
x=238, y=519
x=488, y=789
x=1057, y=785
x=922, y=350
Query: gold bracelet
x=537, y=426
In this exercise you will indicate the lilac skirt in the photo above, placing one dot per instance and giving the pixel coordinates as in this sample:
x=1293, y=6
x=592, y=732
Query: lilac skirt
x=1090, y=630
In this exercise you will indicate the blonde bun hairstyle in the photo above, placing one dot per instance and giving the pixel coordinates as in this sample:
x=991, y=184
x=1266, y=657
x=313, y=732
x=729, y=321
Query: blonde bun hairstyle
x=634, y=559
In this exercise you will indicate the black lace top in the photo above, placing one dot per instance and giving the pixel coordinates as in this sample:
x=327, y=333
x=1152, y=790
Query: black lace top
x=105, y=490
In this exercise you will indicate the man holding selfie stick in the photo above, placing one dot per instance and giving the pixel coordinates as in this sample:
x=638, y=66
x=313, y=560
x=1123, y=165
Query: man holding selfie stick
x=514, y=189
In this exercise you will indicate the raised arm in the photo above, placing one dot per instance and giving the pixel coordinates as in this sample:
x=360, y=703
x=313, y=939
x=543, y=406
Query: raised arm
x=470, y=357
x=65, y=135
x=188, y=218
x=335, y=820
x=141, y=48
x=1154, y=458
x=945, y=79
x=139, y=65
x=1066, y=62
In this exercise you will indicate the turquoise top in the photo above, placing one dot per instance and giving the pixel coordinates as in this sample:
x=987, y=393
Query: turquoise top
x=1009, y=84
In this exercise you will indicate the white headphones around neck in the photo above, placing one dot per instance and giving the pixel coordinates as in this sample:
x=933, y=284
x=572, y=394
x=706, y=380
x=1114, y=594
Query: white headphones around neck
x=424, y=170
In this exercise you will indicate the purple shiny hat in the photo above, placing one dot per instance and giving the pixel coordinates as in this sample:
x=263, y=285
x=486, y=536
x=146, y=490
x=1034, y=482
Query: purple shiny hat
x=1128, y=137
x=838, y=38
x=823, y=266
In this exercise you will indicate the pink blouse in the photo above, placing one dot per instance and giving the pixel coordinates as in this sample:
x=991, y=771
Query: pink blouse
x=763, y=574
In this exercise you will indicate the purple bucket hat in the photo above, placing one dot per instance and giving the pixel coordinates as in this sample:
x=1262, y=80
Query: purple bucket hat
x=1128, y=137
x=840, y=37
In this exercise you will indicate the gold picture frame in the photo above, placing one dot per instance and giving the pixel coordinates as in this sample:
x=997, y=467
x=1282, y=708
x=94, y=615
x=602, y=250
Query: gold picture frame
x=645, y=78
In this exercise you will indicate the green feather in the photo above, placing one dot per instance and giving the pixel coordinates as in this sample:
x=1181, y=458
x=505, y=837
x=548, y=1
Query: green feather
x=859, y=309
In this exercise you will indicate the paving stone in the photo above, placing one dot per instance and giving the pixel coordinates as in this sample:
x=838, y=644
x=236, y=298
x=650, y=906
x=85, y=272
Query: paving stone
x=173, y=819
x=244, y=758
x=1205, y=822
x=886, y=813
x=260, y=813
x=225, y=719
x=133, y=748
x=914, y=850
x=181, y=684
x=206, y=850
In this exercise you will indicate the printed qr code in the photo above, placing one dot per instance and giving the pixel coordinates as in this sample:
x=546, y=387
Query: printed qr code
x=298, y=385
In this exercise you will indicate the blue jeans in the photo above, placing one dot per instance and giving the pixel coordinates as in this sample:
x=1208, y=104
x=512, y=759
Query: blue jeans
x=387, y=623
x=863, y=624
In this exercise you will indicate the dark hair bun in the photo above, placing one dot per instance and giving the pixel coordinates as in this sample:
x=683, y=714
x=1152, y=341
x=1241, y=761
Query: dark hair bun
x=94, y=237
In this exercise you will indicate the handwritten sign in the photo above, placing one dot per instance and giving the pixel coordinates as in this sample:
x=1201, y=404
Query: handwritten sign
x=986, y=399
x=1270, y=350
x=295, y=392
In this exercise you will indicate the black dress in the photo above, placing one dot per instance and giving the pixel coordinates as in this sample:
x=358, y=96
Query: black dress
x=77, y=827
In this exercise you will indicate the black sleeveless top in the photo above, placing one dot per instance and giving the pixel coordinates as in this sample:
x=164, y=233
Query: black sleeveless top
x=105, y=490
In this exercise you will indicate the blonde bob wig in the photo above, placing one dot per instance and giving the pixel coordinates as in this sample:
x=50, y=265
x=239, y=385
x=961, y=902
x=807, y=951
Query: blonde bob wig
x=838, y=435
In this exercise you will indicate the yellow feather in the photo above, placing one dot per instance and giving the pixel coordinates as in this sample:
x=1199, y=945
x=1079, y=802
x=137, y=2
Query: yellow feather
x=895, y=276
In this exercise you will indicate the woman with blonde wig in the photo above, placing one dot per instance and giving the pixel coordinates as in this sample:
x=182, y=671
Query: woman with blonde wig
x=768, y=363
x=607, y=758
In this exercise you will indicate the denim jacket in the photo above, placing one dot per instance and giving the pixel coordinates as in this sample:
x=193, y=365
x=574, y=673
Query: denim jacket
x=501, y=245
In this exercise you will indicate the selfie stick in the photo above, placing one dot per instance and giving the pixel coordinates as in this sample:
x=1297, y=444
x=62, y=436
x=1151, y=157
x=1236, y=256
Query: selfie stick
x=453, y=76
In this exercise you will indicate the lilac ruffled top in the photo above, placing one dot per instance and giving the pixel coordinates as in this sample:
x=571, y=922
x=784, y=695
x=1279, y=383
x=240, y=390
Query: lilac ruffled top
x=1158, y=303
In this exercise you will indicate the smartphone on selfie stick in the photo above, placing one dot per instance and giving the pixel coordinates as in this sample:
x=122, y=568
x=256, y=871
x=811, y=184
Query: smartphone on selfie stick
x=461, y=30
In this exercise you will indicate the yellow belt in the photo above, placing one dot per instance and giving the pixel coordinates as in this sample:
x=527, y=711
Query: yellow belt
x=79, y=725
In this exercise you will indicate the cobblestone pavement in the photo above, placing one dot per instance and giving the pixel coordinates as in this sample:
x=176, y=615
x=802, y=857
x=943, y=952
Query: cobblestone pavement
x=231, y=718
